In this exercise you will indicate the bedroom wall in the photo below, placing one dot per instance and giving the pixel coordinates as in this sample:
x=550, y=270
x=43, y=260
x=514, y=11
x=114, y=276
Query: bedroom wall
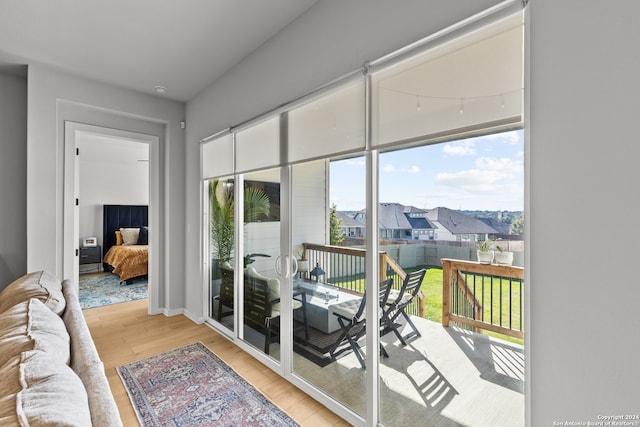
x=13, y=176
x=119, y=179
x=55, y=97
x=580, y=165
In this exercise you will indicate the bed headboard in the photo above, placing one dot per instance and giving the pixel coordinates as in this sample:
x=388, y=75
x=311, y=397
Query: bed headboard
x=121, y=216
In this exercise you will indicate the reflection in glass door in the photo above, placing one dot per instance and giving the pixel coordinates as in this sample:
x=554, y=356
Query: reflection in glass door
x=261, y=252
x=221, y=242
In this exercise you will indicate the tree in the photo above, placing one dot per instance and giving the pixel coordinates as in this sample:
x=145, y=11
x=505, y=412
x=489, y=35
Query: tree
x=517, y=225
x=336, y=235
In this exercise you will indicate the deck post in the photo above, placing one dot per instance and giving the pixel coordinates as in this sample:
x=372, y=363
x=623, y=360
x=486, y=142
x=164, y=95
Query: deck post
x=446, y=291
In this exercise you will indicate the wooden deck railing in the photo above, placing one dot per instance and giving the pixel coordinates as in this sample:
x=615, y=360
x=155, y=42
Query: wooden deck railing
x=483, y=296
x=345, y=267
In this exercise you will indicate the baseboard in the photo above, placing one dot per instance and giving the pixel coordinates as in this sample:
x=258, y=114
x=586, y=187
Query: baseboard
x=194, y=318
x=173, y=312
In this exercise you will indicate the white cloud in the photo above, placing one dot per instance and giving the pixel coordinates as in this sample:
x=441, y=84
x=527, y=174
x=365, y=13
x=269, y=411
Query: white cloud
x=460, y=148
x=479, y=181
x=504, y=164
x=388, y=168
x=412, y=169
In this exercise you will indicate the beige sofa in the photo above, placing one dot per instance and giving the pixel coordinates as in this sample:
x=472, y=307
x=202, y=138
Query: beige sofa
x=50, y=371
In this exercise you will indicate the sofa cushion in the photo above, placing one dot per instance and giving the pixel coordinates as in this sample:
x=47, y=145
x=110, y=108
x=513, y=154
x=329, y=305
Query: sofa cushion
x=41, y=285
x=37, y=391
x=30, y=325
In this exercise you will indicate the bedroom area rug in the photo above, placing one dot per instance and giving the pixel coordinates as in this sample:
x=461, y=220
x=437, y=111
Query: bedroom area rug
x=191, y=386
x=104, y=289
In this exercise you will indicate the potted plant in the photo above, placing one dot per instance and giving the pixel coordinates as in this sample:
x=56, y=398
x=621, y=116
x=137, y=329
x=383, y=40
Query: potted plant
x=303, y=262
x=485, y=253
x=221, y=210
x=503, y=257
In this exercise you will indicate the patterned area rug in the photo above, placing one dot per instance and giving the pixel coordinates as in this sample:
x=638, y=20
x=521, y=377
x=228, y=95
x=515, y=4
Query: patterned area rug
x=101, y=290
x=190, y=386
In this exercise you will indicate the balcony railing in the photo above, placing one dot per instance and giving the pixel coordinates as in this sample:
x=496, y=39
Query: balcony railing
x=483, y=296
x=345, y=267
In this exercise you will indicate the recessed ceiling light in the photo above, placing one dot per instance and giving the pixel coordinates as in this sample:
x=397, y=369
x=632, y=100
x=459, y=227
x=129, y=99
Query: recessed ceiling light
x=161, y=90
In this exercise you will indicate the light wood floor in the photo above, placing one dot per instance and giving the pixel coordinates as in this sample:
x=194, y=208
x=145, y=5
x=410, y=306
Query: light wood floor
x=124, y=333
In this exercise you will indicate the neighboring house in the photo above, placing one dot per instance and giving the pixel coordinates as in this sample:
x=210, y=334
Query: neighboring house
x=455, y=226
x=350, y=226
x=397, y=221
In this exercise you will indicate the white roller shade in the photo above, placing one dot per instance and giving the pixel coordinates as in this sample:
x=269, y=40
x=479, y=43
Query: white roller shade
x=217, y=157
x=468, y=83
x=332, y=124
x=258, y=146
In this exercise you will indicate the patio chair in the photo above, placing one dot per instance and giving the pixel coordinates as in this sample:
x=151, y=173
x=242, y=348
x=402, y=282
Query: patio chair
x=262, y=306
x=397, y=303
x=352, y=320
x=225, y=299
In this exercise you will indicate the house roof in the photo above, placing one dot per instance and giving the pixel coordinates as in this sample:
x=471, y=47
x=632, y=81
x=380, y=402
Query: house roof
x=459, y=223
x=394, y=216
x=348, y=220
x=499, y=226
x=391, y=217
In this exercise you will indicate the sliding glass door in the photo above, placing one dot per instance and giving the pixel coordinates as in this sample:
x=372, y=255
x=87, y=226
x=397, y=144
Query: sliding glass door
x=261, y=262
x=334, y=200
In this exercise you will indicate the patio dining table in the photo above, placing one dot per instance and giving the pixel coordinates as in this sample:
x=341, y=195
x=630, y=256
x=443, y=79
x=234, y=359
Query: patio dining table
x=320, y=297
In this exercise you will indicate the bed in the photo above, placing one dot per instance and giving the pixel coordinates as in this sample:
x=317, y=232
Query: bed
x=128, y=261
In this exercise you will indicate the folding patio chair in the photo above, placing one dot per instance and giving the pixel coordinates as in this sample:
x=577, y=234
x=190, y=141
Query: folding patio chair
x=352, y=319
x=398, y=302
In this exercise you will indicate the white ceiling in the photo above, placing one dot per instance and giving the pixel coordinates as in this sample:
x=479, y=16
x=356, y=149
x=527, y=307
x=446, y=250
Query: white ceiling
x=137, y=44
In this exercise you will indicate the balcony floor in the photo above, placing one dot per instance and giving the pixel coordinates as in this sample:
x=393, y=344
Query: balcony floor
x=446, y=377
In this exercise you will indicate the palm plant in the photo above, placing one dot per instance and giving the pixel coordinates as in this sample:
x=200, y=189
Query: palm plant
x=221, y=201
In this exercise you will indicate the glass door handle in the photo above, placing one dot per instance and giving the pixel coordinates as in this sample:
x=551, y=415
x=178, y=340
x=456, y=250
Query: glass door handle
x=291, y=264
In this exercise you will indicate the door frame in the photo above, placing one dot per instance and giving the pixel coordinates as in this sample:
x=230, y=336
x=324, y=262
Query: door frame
x=71, y=219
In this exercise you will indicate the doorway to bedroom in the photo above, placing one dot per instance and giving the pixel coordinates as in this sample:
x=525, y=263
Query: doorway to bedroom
x=111, y=171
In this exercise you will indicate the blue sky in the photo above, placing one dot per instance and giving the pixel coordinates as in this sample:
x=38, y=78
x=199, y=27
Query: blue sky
x=481, y=173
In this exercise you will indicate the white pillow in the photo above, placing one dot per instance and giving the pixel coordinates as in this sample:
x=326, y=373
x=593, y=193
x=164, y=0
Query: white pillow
x=130, y=235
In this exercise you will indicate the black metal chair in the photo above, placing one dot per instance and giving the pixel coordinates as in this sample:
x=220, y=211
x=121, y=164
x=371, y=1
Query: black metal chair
x=397, y=303
x=352, y=320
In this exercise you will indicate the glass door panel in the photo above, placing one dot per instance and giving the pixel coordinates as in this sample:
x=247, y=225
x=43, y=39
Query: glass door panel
x=221, y=247
x=261, y=252
x=328, y=201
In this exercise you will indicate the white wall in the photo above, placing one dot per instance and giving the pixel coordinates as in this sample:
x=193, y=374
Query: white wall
x=13, y=177
x=581, y=144
x=55, y=97
x=582, y=163
x=106, y=182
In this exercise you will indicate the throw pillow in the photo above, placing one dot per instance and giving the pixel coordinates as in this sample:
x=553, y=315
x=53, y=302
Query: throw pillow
x=143, y=237
x=130, y=235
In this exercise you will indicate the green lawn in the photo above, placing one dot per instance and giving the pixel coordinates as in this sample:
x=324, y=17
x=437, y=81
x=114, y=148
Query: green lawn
x=432, y=290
